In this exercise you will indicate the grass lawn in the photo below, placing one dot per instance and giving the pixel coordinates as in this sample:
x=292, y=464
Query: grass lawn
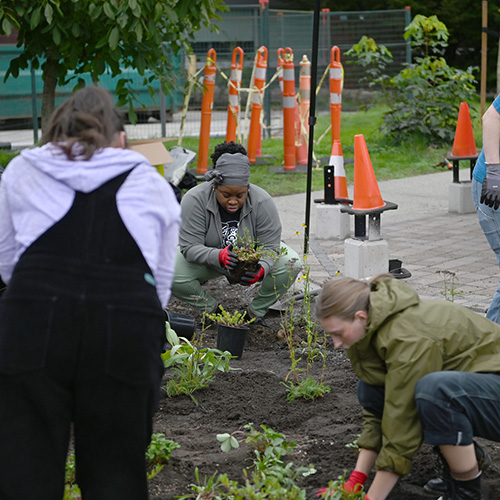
x=389, y=161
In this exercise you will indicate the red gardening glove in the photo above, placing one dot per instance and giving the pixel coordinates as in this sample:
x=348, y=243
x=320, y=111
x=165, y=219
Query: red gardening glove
x=227, y=258
x=251, y=277
x=356, y=480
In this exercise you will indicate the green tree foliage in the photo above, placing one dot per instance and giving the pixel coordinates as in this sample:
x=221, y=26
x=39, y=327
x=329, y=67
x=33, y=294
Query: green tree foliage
x=424, y=97
x=96, y=36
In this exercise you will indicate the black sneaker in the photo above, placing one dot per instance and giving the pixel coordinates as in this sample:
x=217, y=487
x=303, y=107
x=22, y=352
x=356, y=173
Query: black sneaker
x=258, y=321
x=438, y=485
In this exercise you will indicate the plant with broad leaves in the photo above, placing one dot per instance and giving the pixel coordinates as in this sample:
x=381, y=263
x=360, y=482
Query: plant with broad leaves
x=193, y=367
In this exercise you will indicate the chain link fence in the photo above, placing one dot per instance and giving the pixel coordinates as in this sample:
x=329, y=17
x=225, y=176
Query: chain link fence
x=248, y=27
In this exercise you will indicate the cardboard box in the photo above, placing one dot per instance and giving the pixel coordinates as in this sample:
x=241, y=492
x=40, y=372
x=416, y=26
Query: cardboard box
x=154, y=150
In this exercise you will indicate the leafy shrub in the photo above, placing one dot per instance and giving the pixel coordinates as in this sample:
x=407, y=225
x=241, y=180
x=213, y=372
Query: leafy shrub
x=425, y=96
x=229, y=319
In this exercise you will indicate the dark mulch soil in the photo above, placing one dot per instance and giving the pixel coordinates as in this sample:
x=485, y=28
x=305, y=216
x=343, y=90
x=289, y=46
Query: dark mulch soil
x=254, y=394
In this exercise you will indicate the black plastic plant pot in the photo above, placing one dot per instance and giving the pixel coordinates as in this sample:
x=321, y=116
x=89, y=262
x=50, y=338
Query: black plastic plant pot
x=182, y=324
x=232, y=339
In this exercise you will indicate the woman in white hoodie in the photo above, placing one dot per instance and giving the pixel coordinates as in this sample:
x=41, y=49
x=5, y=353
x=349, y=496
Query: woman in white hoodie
x=88, y=232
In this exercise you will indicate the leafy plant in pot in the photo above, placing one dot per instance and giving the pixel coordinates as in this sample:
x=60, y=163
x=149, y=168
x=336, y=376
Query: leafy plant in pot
x=232, y=330
x=249, y=253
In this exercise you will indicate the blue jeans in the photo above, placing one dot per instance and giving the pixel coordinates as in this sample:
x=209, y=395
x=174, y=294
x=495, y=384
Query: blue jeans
x=489, y=219
x=452, y=406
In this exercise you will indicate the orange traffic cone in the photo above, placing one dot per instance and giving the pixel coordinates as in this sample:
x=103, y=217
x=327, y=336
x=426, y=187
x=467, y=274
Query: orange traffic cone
x=366, y=192
x=464, y=144
x=337, y=162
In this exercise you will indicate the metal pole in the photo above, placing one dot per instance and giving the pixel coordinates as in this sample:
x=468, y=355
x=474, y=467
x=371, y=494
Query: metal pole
x=312, y=120
x=408, y=42
x=34, y=107
x=265, y=41
x=163, y=113
x=484, y=56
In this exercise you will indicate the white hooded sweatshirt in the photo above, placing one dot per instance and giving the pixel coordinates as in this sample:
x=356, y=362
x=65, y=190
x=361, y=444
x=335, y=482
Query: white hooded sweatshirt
x=38, y=188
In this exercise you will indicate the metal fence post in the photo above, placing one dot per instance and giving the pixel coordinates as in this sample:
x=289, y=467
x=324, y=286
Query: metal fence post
x=264, y=32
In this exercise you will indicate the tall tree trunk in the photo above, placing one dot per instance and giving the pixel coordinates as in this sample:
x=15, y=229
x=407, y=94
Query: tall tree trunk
x=49, y=90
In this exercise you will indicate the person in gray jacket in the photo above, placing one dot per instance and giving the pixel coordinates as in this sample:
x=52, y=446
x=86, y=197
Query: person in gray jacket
x=214, y=213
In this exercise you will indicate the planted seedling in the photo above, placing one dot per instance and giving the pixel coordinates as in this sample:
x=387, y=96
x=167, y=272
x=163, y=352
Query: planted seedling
x=249, y=253
x=159, y=452
x=223, y=317
x=193, y=367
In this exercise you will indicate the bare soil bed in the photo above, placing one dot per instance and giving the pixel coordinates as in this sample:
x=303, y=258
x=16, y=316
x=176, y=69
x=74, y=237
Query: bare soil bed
x=253, y=393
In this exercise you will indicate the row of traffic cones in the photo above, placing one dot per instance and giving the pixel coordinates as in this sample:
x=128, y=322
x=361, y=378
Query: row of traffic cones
x=366, y=191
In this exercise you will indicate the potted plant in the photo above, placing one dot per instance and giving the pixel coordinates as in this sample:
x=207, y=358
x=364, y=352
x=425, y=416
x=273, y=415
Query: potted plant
x=232, y=330
x=249, y=253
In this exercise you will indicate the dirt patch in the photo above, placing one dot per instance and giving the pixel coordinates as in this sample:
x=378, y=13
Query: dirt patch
x=254, y=393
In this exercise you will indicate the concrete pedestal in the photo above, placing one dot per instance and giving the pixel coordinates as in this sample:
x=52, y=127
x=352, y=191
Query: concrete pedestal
x=364, y=258
x=331, y=223
x=460, y=198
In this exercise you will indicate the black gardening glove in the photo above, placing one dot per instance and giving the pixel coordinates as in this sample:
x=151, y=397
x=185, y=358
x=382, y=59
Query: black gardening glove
x=251, y=277
x=490, y=193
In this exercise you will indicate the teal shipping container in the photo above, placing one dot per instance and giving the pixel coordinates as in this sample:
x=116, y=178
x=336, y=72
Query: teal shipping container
x=17, y=97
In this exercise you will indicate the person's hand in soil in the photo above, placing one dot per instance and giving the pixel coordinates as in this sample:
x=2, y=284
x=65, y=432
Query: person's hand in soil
x=252, y=277
x=227, y=258
x=355, y=482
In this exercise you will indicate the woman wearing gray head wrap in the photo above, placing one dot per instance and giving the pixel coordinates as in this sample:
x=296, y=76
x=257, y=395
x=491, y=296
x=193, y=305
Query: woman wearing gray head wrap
x=214, y=213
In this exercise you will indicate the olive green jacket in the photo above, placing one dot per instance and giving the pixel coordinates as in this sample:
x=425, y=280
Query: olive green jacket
x=406, y=338
x=200, y=237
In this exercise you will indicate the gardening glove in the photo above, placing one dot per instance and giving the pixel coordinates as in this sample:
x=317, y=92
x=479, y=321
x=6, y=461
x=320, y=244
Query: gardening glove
x=490, y=193
x=227, y=258
x=251, y=277
x=356, y=480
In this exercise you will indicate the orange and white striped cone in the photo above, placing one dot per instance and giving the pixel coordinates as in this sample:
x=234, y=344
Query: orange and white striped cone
x=289, y=103
x=464, y=144
x=233, y=108
x=254, y=134
x=206, y=111
x=337, y=162
x=301, y=148
x=366, y=191
x=335, y=92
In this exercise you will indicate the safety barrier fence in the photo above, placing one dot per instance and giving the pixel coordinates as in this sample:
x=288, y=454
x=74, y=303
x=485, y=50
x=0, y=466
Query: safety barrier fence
x=247, y=27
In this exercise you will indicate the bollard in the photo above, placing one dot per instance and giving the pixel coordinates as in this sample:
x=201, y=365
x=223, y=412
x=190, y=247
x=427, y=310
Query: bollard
x=464, y=149
x=335, y=92
x=233, y=107
x=258, y=84
x=367, y=253
x=289, y=102
x=206, y=111
x=301, y=148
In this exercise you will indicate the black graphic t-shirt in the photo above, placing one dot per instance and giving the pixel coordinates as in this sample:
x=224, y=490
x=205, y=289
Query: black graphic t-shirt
x=230, y=224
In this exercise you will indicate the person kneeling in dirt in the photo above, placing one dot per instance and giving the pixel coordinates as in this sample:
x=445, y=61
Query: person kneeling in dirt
x=214, y=213
x=429, y=370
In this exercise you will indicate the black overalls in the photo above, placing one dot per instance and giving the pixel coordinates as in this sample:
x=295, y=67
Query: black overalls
x=81, y=332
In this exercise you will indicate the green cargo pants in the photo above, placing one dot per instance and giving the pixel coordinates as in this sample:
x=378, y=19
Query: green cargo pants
x=188, y=278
